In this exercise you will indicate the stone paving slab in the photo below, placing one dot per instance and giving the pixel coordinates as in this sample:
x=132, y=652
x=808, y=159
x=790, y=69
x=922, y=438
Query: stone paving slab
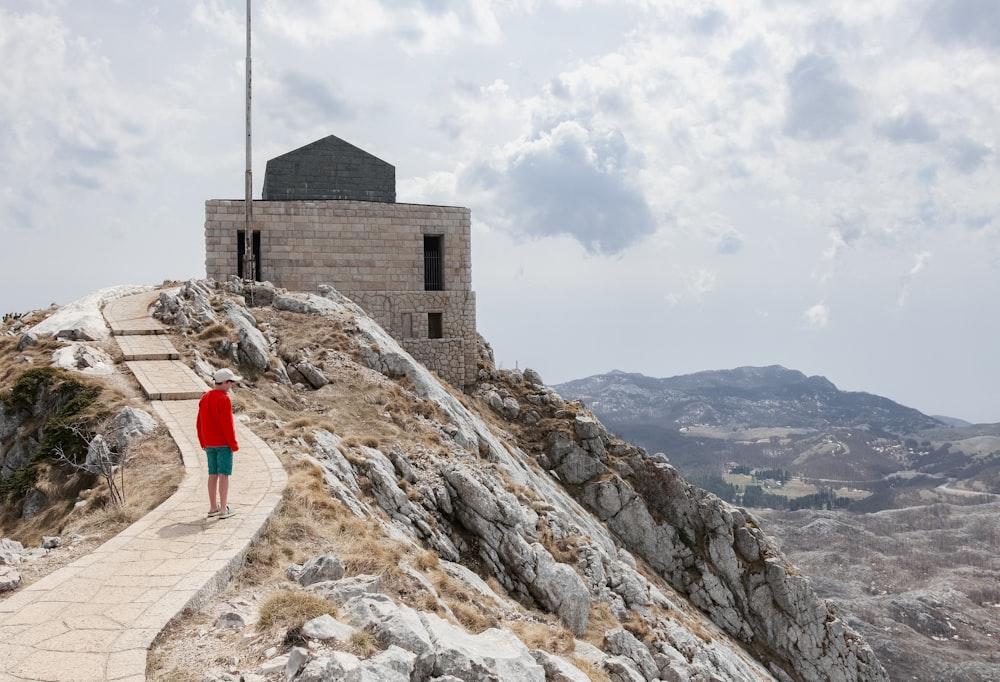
x=130, y=314
x=167, y=380
x=147, y=347
x=96, y=618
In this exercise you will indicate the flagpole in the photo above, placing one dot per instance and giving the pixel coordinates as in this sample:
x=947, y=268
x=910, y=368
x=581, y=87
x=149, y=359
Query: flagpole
x=248, y=259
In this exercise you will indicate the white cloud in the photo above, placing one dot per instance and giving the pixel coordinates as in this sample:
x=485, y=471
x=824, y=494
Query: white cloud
x=817, y=316
x=416, y=28
x=920, y=262
x=680, y=165
x=694, y=285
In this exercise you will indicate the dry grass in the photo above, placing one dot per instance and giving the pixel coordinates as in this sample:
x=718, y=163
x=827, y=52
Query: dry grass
x=299, y=530
x=564, y=550
x=589, y=669
x=363, y=644
x=426, y=560
x=309, y=523
x=215, y=331
x=291, y=609
x=471, y=611
x=638, y=626
x=601, y=620
x=548, y=636
x=11, y=363
x=472, y=617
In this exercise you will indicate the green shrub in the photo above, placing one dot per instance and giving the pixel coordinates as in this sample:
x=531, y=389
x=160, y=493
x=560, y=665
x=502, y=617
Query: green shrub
x=70, y=401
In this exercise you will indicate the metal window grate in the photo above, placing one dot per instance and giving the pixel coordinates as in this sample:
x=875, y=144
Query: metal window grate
x=433, y=264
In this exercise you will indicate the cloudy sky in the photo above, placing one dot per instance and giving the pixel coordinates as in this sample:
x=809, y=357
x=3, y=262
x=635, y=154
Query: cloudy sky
x=657, y=186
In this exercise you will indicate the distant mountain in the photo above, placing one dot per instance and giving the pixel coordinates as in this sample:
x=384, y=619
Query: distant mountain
x=742, y=397
x=773, y=418
x=951, y=421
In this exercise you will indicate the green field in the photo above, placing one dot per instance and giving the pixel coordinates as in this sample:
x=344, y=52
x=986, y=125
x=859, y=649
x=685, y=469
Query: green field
x=792, y=488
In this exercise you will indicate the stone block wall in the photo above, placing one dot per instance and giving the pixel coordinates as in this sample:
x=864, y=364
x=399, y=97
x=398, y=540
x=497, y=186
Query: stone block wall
x=371, y=252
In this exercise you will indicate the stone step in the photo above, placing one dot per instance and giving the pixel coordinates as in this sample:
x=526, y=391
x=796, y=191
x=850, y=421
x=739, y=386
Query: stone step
x=149, y=347
x=167, y=379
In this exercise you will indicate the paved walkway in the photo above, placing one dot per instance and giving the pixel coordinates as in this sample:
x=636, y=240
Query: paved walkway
x=96, y=618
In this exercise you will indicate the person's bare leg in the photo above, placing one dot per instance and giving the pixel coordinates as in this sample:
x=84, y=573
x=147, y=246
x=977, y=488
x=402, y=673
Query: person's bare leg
x=213, y=485
x=223, y=492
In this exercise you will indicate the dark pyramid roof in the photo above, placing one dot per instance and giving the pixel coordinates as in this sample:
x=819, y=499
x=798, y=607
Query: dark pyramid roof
x=329, y=169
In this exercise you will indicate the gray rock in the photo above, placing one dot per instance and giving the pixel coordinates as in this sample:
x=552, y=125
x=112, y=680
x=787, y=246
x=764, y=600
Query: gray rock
x=622, y=669
x=128, y=424
x=34, y=502
x=51, y=541
x=327, y=627
x=491, y=655
x=20, y=451
x=317, y=569
x=578, y=466
x=315, y=670
x=27, y=340
x=254, y=350
x=307, y=305
x=230, y=620
x=561, y=589
x=510, y=409
x=395, y=664
x=257, y=294
x=100, y=458
x=391, y=623
x=558, y=669
x=339, y=591
x=297, y=658
x=11, y=552
x=533, y=377
x=621, y=642
x=10, y=579
x=586, y=428
x=312, y=374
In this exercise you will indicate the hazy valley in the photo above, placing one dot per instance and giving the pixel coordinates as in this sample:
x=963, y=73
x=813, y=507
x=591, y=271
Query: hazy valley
x=898, y=511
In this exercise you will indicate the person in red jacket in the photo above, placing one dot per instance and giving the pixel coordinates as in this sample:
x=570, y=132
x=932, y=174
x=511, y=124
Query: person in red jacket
x=217, y=434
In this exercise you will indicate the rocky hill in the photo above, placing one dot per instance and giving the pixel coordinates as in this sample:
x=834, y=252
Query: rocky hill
x=776, y=418
x=746, y=396
x=463, y=525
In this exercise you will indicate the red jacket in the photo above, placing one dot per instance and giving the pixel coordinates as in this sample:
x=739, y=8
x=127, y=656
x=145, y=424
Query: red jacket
x=215, y=421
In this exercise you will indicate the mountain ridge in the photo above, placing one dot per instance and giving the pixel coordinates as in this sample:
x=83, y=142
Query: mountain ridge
x=773, y=418
x=783, y=397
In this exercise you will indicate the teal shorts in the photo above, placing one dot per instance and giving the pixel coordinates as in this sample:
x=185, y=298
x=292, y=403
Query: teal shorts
x=220, y=460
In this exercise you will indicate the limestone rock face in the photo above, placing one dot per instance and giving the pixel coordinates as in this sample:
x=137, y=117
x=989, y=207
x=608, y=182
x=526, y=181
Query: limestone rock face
x=534, y=492
x=253, y=348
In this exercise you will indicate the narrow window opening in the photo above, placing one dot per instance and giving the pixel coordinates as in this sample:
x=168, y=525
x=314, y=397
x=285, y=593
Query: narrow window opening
x=407, y=325
x=435, y=325
x=433, y=263
x=241, y=244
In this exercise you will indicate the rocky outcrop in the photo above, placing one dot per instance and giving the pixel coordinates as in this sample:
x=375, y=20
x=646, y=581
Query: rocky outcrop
x=567, y=519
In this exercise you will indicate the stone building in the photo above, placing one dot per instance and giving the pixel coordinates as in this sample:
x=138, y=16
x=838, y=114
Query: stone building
x=329, y=216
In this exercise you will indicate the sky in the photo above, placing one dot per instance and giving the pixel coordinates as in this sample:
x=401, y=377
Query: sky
x=656, y=186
